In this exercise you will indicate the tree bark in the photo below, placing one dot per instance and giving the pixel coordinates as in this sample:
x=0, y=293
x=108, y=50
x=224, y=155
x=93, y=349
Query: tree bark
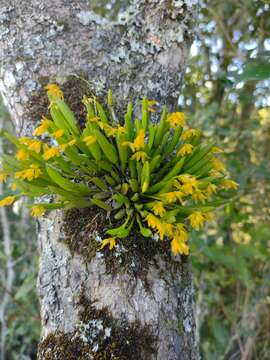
x=142, y=54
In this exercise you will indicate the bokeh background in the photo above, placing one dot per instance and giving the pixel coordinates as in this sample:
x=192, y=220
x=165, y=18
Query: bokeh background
x=226, y=93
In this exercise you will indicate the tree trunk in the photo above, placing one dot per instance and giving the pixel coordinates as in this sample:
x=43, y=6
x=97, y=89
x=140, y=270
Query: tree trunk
x=95, y=306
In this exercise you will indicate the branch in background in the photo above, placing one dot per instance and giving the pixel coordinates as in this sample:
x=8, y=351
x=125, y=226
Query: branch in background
x=9, y=270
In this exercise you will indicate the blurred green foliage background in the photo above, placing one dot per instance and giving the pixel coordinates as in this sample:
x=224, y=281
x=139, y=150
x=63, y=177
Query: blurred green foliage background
x=226, y=93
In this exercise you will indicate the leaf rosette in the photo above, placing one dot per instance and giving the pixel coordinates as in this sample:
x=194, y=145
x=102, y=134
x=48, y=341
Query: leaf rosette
x=159, y=177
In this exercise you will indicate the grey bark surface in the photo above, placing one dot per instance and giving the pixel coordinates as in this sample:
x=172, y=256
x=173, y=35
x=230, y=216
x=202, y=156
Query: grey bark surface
x=144, y=53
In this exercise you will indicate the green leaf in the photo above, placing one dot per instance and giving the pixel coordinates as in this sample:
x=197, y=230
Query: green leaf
x=107, y=147
x=121, y=231
x=66, y=184
x=101, y=204
x=162, y=127
x=68, y=115
x=144, y=231
x=129, y=129
x=101, y=113
x=255, y=70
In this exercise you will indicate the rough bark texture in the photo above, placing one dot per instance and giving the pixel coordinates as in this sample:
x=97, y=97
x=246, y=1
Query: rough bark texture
x=143, y=54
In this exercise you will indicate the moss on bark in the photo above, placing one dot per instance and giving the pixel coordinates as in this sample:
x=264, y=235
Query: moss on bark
x=75, y=88
x=100, y=337
x=85, y=228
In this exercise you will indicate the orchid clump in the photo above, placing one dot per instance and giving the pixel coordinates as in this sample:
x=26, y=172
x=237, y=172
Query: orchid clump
x=158, y=177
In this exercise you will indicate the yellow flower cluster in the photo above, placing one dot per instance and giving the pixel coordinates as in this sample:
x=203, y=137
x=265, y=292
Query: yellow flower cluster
x=109, y=241
x=140, y=155
x=186, y=135
x=43, y=127
x=32, y=144
x=29, y=174
x=111, y=131
x=185, y=150
x=177, y=232
x=177, y=119
x=54, y=90
x=37, y=210
x=50, y=153
x=57, y=134
x=9, y=200
x=138, y=143
x=158, y=208
x=179, y=241
x=22, y=155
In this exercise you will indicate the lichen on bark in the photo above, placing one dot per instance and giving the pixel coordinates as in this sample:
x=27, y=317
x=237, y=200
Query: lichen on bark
x=99, y=336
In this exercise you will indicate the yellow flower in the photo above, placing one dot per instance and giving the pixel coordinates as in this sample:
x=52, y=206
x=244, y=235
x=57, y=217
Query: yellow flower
x=22, y=155
x=185, y=150
x=13, y=186
x=169, y=197
x=140, y=155
x=196, y=219
x=164, y=229
x=186, y=178
x=32, y=173
x=139, y=141
x=3, y=177
x=158, y=208
x=109, y=241
x=70, y=143
x=181, y=230
x=180, y=195
x=180, y=233
x=43, y=128
x=90, y=140
x=189, y=183
x=179, y=247
x=211, y=189
x=120, y=130
x=152, y=221
x=7, y=201
x=190, y=133
x=229, y=184
x=54, y=90
x=109, y=131
x=37, y=210
x=177, y=118
x=35, y=145
x=57, y=134
x=50, y=153
x=218, y=165
x=197, y=195
x=25, y=140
